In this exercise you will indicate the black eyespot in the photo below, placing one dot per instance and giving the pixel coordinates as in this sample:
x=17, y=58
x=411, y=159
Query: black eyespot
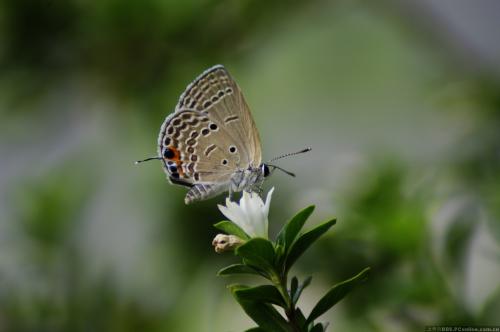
x=174, y=175
x=265, y=170
x=224, y=161
x=172, y=168
x=168, y=153
x=190, y=149
x=205, y=132
x=213, y=126
x=166, y=141
x=232, y=149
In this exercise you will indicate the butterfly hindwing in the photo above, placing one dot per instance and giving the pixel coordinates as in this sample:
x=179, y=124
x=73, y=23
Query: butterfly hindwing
x=196, y=149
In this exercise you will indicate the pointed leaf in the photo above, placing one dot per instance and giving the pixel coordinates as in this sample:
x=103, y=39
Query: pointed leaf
x=231, y=228
x=259, y=253
x=305, y=241
x=296, y=295
x=238, y=269
x=337, y=293
x=317, y=328
x=294, y=284
x=268, y=318
x=301, y=319
x=292, y=228
x=263, y=293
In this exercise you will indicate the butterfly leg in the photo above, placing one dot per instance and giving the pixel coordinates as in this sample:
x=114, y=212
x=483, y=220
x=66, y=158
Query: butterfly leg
x=257, y=187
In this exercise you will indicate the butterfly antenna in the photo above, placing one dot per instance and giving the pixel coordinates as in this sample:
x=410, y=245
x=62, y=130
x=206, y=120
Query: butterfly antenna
x=147, y=159
x=290, y=154
x=283, y=170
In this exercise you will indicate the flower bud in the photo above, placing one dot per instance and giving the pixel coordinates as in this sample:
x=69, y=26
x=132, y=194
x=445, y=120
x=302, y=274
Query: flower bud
x=224, y=242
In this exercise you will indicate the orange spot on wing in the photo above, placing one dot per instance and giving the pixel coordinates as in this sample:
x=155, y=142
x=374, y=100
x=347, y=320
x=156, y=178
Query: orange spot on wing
x=177, y=154
x=177, y=159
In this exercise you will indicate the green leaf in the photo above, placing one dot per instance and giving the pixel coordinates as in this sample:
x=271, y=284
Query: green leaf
x=294, y=284
x=299, y=316
x=292, y=228
x=259, y=253
x=263, y=293
x=317, y=328
x=298, y=292
x=337, y=293
x=305, y=241
x=280, y=250
x=265, y=315
x=231, y=228
x=238, y=269
x=256, y=329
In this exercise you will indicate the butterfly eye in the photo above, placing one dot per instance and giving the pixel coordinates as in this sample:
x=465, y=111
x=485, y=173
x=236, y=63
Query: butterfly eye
x=265, y=170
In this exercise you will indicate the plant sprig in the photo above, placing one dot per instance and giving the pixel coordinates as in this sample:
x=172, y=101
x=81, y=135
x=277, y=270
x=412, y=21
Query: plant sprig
x=272, y=260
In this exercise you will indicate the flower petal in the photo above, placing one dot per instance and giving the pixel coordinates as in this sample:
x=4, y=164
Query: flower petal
x=251, y=214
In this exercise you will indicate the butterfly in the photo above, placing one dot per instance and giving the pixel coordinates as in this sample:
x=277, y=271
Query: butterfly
x=210, y=143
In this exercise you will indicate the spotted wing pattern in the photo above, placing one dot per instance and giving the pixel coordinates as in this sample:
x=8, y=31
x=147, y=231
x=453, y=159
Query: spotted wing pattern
x=209, y=137
x=196, y=149
x=216, y=93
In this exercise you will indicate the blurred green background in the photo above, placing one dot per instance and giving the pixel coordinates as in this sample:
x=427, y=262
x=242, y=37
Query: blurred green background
x=400, y=101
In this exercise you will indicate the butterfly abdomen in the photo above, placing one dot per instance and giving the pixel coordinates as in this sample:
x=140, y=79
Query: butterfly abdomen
x=200, y=192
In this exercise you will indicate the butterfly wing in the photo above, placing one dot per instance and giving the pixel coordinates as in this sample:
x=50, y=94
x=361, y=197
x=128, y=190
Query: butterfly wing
x=209, y=137
x=196, y=149
x=216, y=93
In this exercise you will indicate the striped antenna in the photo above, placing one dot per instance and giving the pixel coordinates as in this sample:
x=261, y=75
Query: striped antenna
x=291, y=154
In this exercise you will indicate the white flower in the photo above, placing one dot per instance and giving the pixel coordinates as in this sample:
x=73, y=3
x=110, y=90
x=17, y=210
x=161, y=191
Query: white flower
x=250, y=214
